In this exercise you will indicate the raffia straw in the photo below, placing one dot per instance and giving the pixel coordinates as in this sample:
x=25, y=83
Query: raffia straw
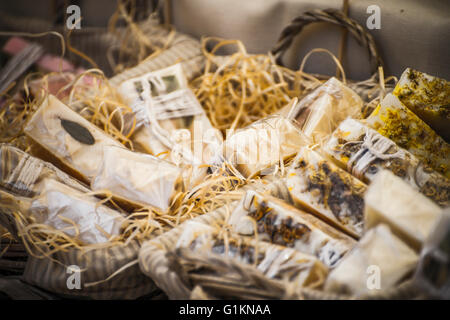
x=135, y=46
x=239, y=89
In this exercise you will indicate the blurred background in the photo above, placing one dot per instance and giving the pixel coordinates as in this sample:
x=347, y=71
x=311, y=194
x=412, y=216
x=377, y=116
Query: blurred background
x=413, y=32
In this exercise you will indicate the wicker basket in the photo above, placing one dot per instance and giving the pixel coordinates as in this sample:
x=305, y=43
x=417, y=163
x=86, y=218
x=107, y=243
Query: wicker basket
x=171, y=269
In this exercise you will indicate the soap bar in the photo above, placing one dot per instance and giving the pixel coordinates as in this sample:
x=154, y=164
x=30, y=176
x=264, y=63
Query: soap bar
x=320, y=112
x=364, y=152
x=274, y=261
x=69, y=137
x=58, y=204
x=262, y=144
x=138, y=178
x=410, y=215
x=169, y=119
x=276, y=222
x=396, y=122
x=22, y=174
x=428, y=97
x=321, y=187
x=378, y=262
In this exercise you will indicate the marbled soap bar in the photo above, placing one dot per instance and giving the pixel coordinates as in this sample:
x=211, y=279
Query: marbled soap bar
x=396, y=122
x=326, y=190
x=428, y=97
x=279, y=223
x=364, y=152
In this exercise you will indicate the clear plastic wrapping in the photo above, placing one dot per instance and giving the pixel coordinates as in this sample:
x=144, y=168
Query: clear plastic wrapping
x=138, y=177
x=396, y=122
x=428, y=97
x=276, y=222
x=378, y=262
x=69, y=137
x=23, y=174
x=392, y=201
x=170, y=119
x=326, y=190
x=274, y=261
x=262, y=144
x=321, y=111
x=75, y=213
x=364, y=152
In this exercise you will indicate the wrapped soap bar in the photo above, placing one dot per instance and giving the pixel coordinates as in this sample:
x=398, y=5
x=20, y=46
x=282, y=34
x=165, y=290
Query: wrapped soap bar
x=66, y=135
x=321, y=111
x=138, y=178
x=165, y=110
x=396, y=122
x=319, y=186
x=23, y=174
x=378, y=262
x=408, y=213
x=276, y=222
x=364, y=152
x=75, y=213
x=428, y=97
x=274, y=261
x=262, y=144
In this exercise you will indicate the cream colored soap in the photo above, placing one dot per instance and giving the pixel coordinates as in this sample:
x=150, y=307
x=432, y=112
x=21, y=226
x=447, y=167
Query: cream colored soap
x=392, y=201
x=138, y=178
x=79, y=145
x=378, y=262
x=262, y=144
x=58, y=204
x=320, y=112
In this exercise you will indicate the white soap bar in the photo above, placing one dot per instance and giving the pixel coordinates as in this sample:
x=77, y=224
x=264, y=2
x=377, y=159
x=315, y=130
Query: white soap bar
x=392, y=201
x=138, y=177
x=58, y=202
x=320, y=112
x=262, y=144
x=320, y=187
x=378, y=262
x=282, y=224
x=69, y=137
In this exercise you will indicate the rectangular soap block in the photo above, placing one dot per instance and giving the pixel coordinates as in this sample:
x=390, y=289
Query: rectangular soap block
x=428, y=97
x=409, y=214
x=378, y=262
x=62, y=207
x=138, y=178
x=22, y=174
x=73, y=140
x=171, y=121
x=262, y=144
x=277, y=222
x=319, y=186
x=396, y=122
x=164, y=105
x=364, y=152
x=274, y=261
x=321, y=111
